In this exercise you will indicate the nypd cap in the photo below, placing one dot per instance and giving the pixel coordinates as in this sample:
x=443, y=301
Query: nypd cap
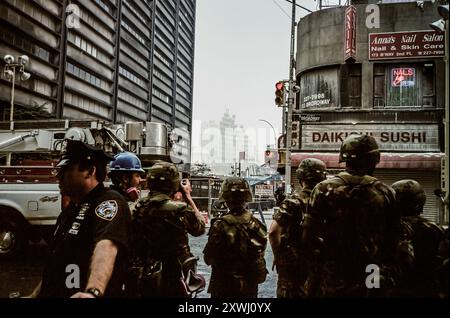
x=76, y=151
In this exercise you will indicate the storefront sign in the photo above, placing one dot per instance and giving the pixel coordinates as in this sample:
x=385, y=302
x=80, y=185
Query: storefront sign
x=401, y=137
x=400, y=45
x=403, y=77
x=264, y=190
x=309, y=118
x=316, y=101
x=350, y=34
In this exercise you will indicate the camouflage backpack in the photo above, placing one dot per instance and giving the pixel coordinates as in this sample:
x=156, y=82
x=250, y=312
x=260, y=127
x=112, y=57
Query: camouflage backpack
x=152, y=242
x=363, y=217
x=240, y=245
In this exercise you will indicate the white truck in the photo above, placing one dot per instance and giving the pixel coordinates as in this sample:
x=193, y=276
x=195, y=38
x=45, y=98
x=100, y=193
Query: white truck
x=29, y=196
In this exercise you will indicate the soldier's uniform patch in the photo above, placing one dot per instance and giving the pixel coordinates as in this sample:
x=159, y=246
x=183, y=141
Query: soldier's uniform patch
x=107, y=210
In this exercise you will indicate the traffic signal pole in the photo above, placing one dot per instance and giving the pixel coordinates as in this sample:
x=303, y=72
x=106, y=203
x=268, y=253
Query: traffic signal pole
x=290, y=105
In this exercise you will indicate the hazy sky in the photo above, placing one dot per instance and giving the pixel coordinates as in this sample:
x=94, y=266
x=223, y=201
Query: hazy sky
x=242, y=48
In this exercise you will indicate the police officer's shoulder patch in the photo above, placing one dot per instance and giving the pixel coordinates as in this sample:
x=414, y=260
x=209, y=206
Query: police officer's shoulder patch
x=107, y=210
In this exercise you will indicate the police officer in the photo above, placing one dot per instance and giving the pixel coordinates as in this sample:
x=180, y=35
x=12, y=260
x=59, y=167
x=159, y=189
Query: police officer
x=354, y=214
x=236, y=245
x=420, y=270
x=89, y=249
x=285, y=231
x=160, y=228
x=125, y=174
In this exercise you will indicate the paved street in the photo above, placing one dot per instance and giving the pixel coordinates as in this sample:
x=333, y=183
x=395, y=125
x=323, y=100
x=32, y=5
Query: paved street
x=24, y=273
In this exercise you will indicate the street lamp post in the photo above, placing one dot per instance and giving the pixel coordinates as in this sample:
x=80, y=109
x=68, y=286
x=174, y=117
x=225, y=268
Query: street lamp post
x=290, y=105
x=442, y=26
x=10, y=72
x=273, y=130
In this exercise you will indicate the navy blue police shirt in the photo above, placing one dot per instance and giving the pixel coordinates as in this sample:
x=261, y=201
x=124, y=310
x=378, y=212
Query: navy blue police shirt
x=103, y=215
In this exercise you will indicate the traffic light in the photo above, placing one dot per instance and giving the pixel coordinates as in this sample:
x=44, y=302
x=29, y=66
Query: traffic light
x=279, y=93
x=295, y=136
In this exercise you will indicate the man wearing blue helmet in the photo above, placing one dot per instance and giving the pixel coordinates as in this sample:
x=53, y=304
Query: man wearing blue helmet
x=125, y=174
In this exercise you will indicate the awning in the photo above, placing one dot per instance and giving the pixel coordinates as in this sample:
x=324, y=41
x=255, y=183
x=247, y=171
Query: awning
x=263, y=179
x=389, y=160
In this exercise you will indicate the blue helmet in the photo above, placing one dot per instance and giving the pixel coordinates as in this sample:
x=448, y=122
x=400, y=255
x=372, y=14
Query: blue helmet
x=126, y=161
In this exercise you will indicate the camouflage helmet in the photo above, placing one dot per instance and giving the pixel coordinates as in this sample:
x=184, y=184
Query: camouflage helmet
x=410, y=196
x=163, y=177
x=312, y=169
x=235, y=189
x=359, y=148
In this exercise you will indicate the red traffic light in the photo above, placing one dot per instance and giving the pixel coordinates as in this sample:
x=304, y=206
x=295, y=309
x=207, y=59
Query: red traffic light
x=279, y=93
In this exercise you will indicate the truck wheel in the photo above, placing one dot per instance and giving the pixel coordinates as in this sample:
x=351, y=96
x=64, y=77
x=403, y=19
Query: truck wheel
x=12, y=238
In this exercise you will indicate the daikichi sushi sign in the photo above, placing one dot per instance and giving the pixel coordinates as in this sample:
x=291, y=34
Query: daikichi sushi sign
x=398, y=137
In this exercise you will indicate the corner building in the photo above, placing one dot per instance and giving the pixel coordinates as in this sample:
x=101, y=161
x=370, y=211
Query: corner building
x=387, y=82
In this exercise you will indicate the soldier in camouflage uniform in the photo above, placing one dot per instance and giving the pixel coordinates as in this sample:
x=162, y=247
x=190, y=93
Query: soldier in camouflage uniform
x=423, y=237
x=353, y=213
x=160, y=228
x=236, y=245
x=285, y=231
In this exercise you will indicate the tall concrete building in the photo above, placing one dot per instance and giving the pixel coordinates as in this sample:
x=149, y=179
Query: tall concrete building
x=382, y=77
x=228, y=136
x=114, y=60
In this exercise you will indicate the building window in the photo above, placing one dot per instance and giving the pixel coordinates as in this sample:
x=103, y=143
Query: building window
x=133, y=32
x=164, y=40
x=85, y=76
x=181, y=60
x=126, y=49
x=86, y=104
x=161, y=95
x=132, y=77
x=103, y=5
x=137, y=102
x=159, y=74
x=95, y=24
x=182, y=93
x=183, y=77
x=182, y=109
x=25, y=44
x=404, y=85
x=163, y=59
x=319, y=88
x=161, y=115
x=35, y=12
x=84, y=45
x=350, y=85
x=41, y=87
x=130, y=6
